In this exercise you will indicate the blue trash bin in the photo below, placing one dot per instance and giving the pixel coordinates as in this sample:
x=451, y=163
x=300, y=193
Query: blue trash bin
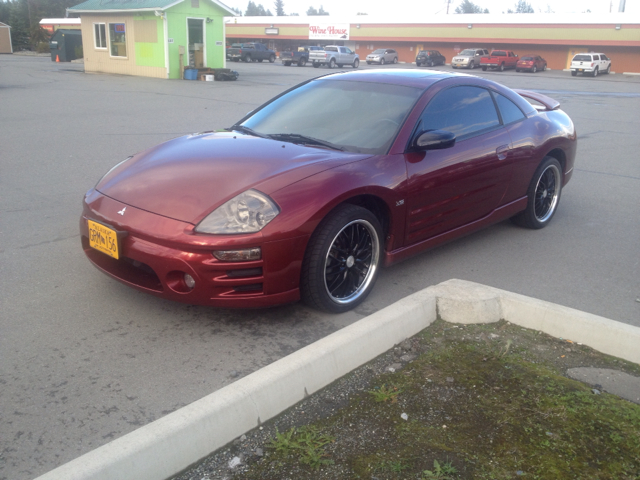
x=191, y=74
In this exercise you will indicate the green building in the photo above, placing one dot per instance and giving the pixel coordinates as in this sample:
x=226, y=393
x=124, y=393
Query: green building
x=152, y=38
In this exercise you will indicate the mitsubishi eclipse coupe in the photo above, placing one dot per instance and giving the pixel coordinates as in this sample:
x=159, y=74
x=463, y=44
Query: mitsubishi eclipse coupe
x=309, y=195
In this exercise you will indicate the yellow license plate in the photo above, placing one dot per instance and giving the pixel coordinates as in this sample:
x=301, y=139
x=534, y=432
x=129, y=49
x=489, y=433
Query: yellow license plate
x=103, y=239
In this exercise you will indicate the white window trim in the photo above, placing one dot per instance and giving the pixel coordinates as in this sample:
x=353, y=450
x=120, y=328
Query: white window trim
x=125, y=41
x=95, y=42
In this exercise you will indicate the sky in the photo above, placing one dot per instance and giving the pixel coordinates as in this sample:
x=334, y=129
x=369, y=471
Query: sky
x=430, y=7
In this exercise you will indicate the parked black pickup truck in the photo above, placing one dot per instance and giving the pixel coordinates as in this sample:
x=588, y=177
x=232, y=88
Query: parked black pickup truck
x=300, y=58
x=251, y=52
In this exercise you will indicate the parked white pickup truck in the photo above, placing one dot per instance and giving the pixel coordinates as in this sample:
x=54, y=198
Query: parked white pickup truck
x=333, y=55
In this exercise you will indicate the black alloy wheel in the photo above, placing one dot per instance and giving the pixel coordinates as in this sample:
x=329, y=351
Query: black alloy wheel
x=543, y=195
x=342, y=260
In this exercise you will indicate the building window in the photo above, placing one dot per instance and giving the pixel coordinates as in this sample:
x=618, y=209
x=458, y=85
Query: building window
x=100, y=35
x=117, y=39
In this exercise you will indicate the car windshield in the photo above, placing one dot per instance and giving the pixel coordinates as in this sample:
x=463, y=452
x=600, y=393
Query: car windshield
x=354, y=116
x=467, y=52
x=379, y=51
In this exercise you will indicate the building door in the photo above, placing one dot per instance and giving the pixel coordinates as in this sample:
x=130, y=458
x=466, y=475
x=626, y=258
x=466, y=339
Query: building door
x=195, y=40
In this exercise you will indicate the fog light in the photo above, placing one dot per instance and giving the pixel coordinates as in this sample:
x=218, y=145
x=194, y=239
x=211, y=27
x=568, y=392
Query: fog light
x=245, y=255
x=189, y=281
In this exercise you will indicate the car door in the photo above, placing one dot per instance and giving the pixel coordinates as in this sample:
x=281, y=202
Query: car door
x=452, y=187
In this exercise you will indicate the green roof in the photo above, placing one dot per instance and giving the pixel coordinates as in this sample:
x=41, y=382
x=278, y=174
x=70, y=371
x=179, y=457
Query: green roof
x=133, y=5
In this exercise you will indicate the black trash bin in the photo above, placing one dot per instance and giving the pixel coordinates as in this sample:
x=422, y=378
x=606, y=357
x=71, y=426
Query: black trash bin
x=63, y=45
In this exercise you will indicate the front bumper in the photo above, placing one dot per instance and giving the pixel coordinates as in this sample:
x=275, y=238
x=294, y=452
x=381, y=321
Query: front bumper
x=156, y=252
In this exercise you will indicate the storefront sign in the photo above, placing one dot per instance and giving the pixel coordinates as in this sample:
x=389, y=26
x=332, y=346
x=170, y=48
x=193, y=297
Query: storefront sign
x=271, y=31
x=329, y=31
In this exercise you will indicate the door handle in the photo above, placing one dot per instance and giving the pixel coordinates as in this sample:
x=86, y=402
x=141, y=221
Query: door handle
x=502, y=151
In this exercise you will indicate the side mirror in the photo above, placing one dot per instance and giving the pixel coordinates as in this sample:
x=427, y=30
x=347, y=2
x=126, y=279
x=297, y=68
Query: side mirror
x=433, y=140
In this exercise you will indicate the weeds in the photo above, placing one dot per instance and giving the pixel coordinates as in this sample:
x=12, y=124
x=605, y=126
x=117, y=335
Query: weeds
x=440, y=472
x=385, y=394
x=306, y=444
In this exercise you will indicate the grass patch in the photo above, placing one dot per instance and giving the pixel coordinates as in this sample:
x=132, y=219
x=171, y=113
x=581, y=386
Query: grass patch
x=478, y=402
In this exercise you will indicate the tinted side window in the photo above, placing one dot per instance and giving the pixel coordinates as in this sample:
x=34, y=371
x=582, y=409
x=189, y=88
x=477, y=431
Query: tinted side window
x=604, y=57
x=509, y=110
x=596, y=57
x=461, y=110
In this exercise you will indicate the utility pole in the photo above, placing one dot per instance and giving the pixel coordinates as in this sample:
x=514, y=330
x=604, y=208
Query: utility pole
x=621, y=7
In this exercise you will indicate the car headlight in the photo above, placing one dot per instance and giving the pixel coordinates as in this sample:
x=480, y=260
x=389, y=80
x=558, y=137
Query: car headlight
x=248, y=212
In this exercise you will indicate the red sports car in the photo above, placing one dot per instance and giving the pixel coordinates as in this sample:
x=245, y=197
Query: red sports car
x=531, y=62
x=311, y=193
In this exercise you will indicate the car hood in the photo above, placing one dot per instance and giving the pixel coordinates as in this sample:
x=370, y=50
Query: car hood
x=188, y=177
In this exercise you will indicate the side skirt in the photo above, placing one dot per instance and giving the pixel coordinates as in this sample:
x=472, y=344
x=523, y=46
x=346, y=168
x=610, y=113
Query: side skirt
x=499, y=214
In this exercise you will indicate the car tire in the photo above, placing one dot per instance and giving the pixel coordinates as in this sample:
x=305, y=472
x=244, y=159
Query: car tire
x=573, y=73
x=260, y=60
x=472, y=65
x=501, y=68
x=543, y=195
x=544, y=67
x=302, y=62
x=484, y=69
x=418, y=64
x=272, y=58
x=332, y=63
x=395, y=59
x=246, y=59
x=595, y=72
x=356, y=63
x=382, y=61
x=608, y=70
x=518, y=70
x=342, y=260
x=316, y=65
x=534, y=69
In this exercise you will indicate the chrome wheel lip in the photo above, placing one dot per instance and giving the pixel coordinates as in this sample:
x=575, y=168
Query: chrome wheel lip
x=371, y=271
x=545, y=202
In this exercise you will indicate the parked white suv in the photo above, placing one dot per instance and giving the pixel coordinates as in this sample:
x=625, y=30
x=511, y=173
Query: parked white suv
x=590, y=63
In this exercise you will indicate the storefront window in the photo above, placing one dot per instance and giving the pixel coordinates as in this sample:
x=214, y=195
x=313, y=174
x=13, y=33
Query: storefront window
x=99, y=32
x=117, y=40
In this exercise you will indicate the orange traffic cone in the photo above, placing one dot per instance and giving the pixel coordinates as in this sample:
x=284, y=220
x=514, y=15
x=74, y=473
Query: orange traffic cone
x=57, y=59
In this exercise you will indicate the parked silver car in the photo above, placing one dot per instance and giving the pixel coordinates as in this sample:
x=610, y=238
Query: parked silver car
x=469, y=58
x=382, y=56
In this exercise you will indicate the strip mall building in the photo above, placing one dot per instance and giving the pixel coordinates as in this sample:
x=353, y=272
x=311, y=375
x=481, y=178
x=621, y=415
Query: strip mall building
x=556, y=37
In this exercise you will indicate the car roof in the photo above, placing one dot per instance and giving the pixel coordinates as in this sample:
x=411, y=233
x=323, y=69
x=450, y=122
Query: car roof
x=406, y=77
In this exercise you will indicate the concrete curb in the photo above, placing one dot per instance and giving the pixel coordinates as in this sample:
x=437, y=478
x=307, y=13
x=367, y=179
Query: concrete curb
x=171, y=444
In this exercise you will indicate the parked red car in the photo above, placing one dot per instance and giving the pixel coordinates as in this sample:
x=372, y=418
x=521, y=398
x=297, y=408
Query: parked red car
x=500, y=60
x=311, y=193
x=531, y=62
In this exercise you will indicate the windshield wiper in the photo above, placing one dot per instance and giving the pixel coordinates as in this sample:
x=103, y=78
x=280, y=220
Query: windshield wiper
x=304, y=139
x=243, y=129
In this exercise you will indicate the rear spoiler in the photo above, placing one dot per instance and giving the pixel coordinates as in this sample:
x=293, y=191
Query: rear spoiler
x=549, y=103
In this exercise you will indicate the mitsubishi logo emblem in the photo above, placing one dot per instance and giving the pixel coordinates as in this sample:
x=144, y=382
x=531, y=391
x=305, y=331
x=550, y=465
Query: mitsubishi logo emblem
x=121, y=212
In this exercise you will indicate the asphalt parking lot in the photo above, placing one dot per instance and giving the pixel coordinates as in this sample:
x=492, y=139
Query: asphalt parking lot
x=84, y=359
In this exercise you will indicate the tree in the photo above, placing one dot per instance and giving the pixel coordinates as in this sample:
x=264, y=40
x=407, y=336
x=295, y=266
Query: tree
x=312, y=11
x=237, y=10
x=254, y=10
x=279, y=4
x=522, y=7
x=467, y=6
